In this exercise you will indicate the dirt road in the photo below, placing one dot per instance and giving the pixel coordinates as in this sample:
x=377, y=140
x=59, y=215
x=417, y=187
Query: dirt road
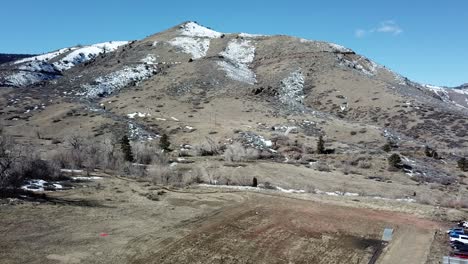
x=409, y=245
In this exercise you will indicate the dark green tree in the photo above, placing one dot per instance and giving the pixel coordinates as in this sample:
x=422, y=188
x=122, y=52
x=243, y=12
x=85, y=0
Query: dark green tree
x=387, y=147
x=394, y=161
x=254, y=182
x=321, y=145
x=164, y=143
x=463, y=164
x=126, y=148
x=431, y=153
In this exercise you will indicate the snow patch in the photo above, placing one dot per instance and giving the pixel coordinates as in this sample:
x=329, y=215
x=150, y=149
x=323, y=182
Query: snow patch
x=38, y=66
x=339, y=48
x=247, y=35
x=90, y=178
x=25, y=78
x=192, y=29
x=194, y=46
x=289, y=190
x=40, y=186
x=44, y=57
x=292, y=90
x=71, y=171
x=238, y=55
x=137, y=114
x=149, y=59
x=117, y=80
x=360, y=64
x=87, y=53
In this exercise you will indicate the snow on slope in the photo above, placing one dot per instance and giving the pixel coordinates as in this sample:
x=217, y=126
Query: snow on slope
x=359, y=63
x=38, y=66
x=87, y=53
x=194, y=39
x=239, y=54
x=45, y=57
x=291, y=92
x=25, y=78
x=192, y=29
x=117, y=80
x=194, y=46
x=36, y=69
x=457, y=97
x=247, y=35
x=339, y=48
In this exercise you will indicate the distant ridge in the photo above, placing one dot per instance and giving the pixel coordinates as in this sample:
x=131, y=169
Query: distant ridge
x=4, y=58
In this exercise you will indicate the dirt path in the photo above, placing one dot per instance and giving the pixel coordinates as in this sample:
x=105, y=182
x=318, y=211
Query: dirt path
x=409, y=245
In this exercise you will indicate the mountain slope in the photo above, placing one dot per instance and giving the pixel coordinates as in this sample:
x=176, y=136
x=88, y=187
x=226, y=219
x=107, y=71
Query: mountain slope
x=192, y=82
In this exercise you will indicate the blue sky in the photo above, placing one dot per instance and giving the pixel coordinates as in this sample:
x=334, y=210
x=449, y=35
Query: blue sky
x=426, y=41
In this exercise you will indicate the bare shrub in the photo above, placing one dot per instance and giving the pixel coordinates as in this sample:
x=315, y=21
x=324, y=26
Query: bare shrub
x=236, y=153
x=364, y=164
x=133, y=170
x=164, y=174
x=208, y=148
x=145, y=153
x=455, y=203
x=425, y=199
x=11, y=157
x=322, y=166
x=35, y=168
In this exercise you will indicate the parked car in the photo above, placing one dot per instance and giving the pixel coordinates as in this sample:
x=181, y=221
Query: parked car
x=463, y=224
x=459, y=247
x=459, y=238
x=456, y=231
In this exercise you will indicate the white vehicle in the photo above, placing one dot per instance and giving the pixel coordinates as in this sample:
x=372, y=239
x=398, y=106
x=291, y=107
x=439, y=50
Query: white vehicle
x=463, y=224
x=459, y=238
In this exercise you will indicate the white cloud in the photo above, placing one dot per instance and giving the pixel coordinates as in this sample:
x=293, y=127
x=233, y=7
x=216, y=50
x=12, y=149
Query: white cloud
x=360, y=33
x=389, y=26
x=385, y=27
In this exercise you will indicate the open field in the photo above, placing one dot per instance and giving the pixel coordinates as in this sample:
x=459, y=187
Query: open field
x=116, y=220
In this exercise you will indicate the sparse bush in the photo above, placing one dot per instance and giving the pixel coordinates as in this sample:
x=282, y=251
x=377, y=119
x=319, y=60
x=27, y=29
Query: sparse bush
x=209, y=148
x=145, y=153
x=35, y=168
x=236, y=153
x=363, y=164
x=10, y=158
x=322, y=166
x=133, y=170
x=455, y=203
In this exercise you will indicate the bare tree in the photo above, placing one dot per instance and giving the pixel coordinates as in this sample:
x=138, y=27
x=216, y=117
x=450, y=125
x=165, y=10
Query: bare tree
x=10, y=155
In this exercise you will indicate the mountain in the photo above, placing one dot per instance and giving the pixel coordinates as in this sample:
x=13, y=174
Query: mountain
x=192, y=82
x=4, y=58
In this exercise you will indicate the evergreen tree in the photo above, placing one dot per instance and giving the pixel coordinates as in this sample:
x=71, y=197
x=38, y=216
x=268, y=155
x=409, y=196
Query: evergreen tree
x=254, y=182
x=164, y=142
x=463, y=164
x=126, y=148
x=387, y=147
x=321, y=145
x=394, y=161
